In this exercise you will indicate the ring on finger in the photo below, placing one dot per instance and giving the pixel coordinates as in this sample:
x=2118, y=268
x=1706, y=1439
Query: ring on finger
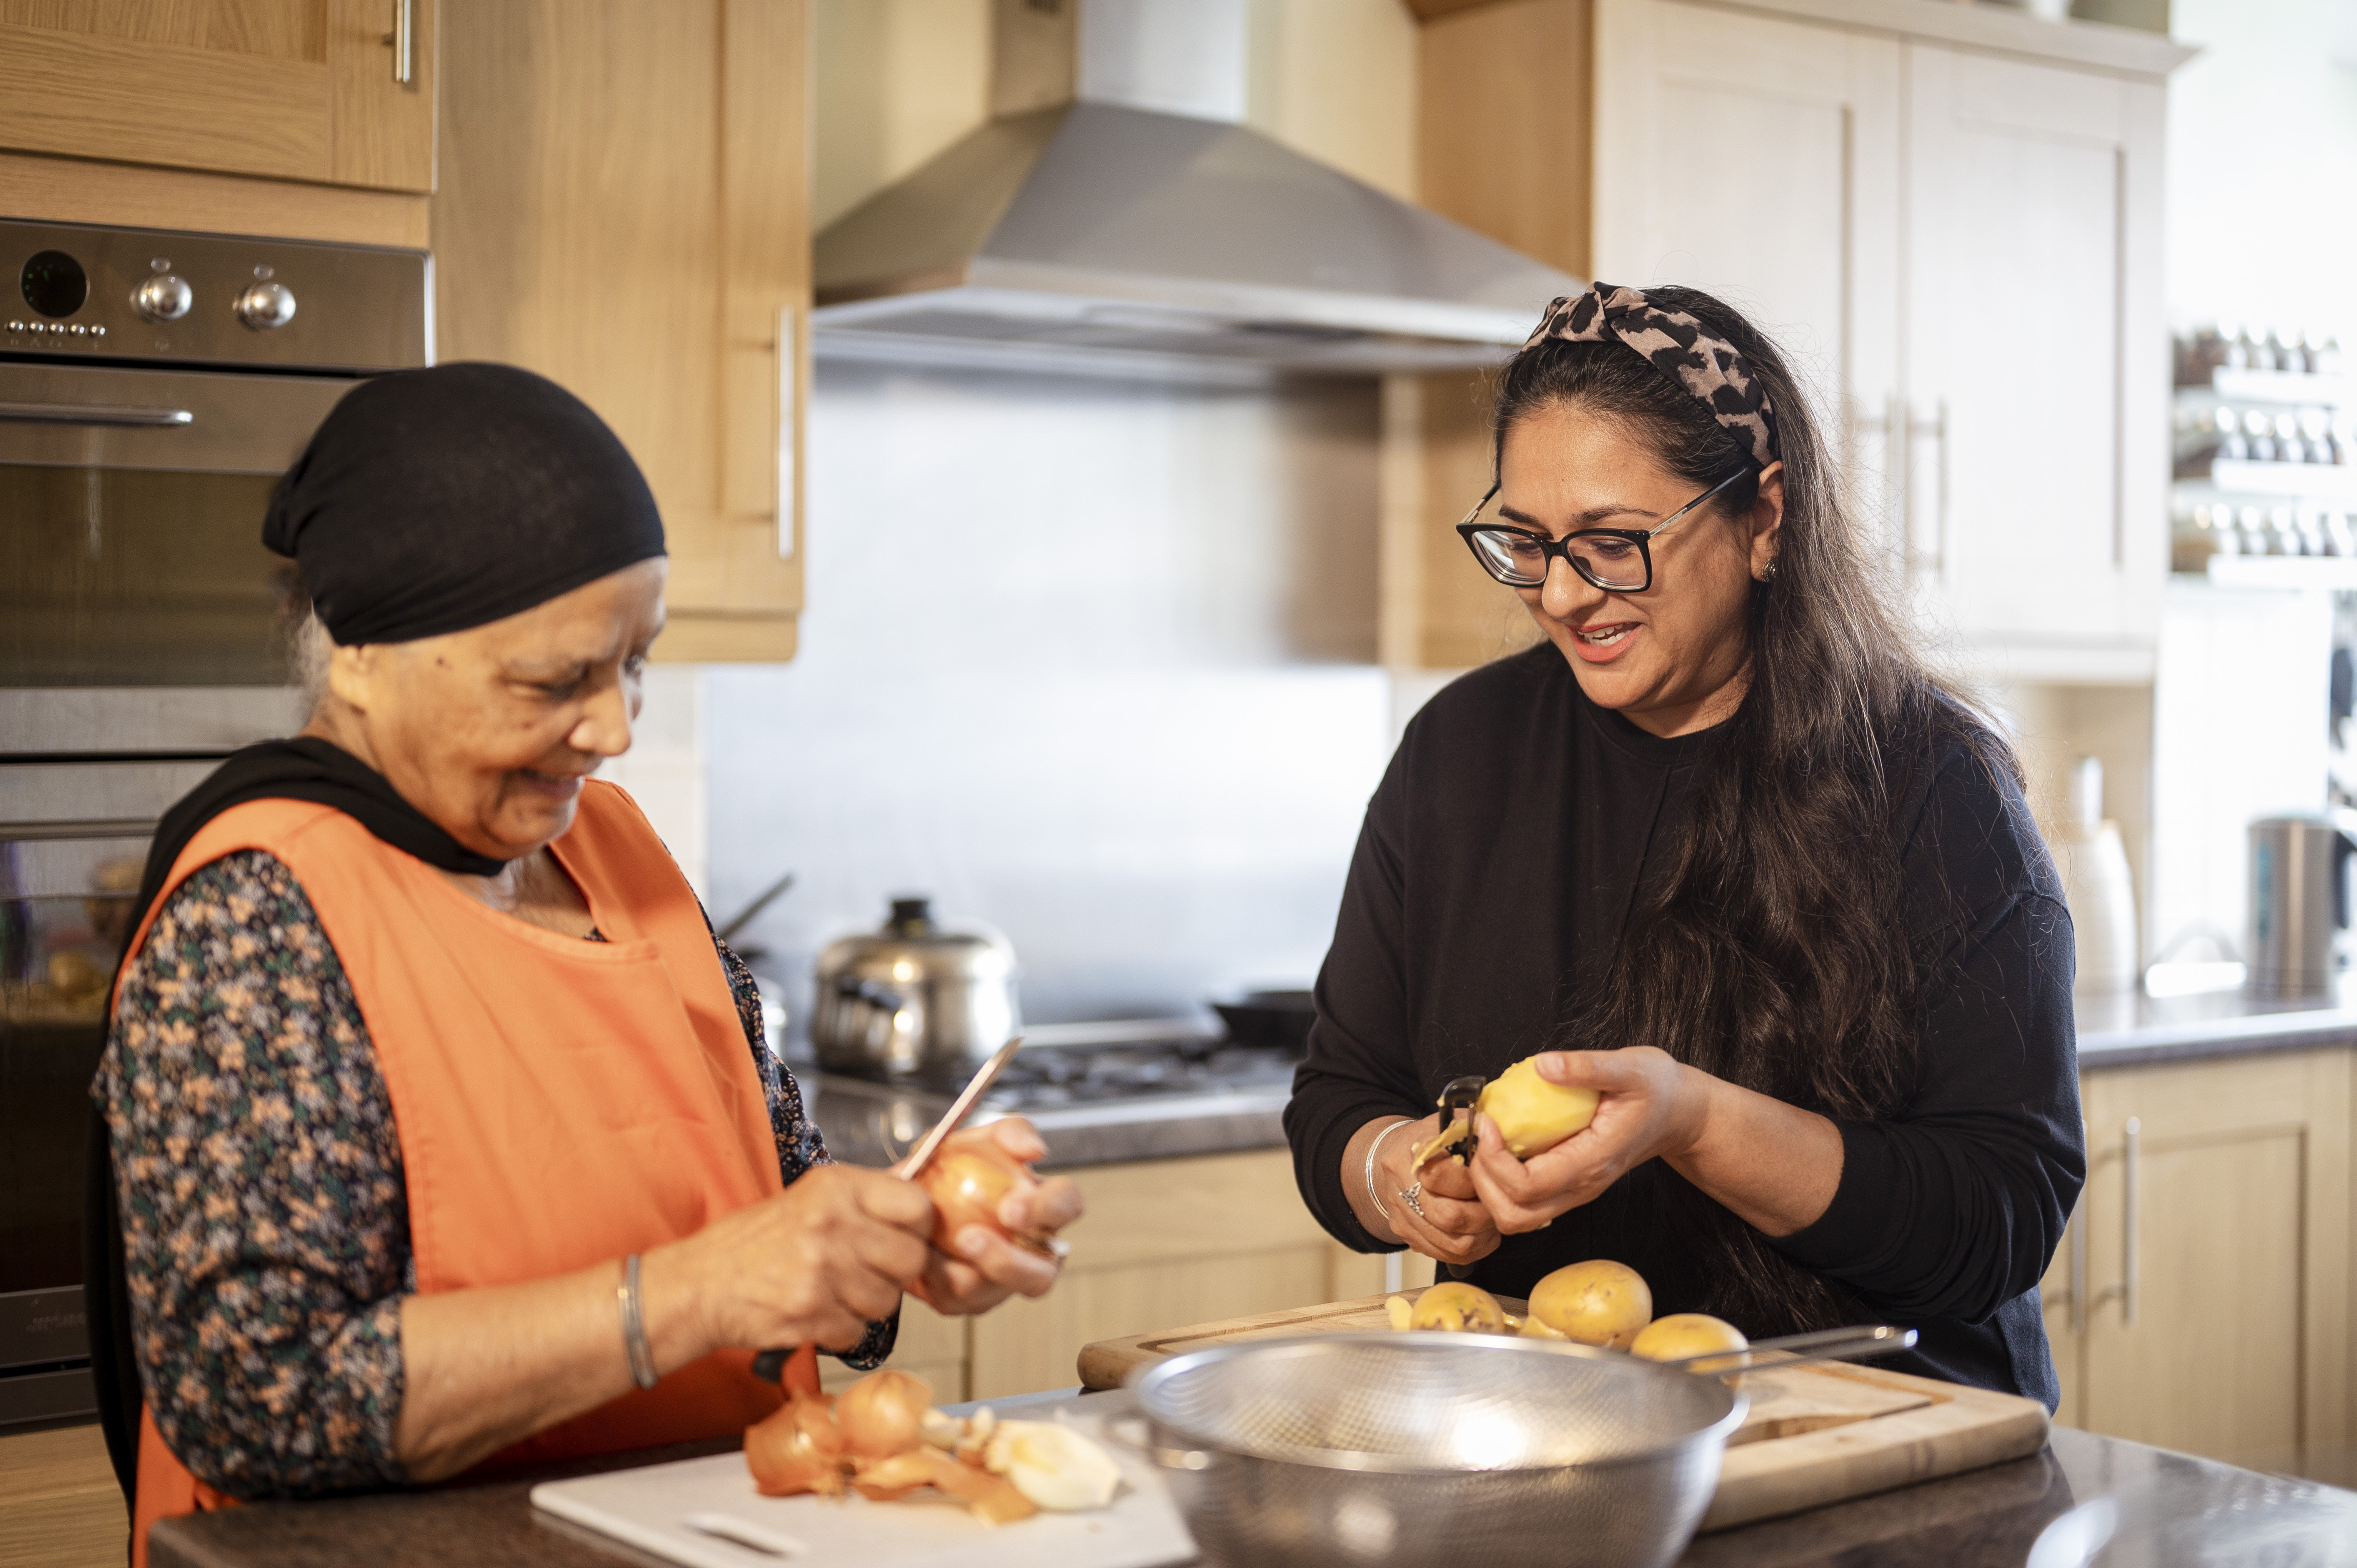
x=1412, y=1196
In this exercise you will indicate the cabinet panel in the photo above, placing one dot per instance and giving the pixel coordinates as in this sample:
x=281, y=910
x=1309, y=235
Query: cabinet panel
x=299, y=90
x=2031, y=503
x=623, y=209
x=2230, y=1221
x=1757, y=159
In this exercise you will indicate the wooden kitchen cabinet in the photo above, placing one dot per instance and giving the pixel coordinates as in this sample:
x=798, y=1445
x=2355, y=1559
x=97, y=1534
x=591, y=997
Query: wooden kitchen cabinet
x=1894, y=191
x=293, y=90
x=624, y=207
x=59, y=1505
x=1894, y=208
x=1165, y=1243
x=2216, y=1261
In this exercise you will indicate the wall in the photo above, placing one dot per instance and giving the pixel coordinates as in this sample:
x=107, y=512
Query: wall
x=1090, y=662
x=2262, y=158
x=2240, y=731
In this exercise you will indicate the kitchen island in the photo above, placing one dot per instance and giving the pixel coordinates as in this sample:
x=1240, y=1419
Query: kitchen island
x=2166, y=1508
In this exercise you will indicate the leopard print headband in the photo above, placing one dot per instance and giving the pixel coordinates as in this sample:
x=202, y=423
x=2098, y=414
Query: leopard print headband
x=1679, y=346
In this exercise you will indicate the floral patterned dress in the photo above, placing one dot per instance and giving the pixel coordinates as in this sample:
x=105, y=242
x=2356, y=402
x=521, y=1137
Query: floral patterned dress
x=266, y=1215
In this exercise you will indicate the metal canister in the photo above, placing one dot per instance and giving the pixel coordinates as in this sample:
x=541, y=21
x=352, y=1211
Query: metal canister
x=2299, y=901
x=913, y=1000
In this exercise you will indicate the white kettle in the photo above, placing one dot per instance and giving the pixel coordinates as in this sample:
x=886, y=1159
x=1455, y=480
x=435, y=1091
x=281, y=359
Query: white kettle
x=2097, y=887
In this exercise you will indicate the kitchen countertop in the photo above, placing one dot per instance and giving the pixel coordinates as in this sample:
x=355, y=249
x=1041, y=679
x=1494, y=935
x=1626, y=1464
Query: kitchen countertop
x=868, y=1124
x=2135, y=1030
x=2171, y=1508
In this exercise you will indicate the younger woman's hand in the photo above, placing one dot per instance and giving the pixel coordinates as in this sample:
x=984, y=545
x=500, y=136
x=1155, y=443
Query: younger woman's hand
x=989, y=1268
x=1455, y=1227
x=1652, y=1106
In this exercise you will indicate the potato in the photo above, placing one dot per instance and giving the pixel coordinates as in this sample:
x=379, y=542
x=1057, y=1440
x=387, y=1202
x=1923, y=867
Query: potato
x=1683, y=1334
x=1400, y=1310
x=1455, y=1308
x=1598, y=1302
x=1533, y=1115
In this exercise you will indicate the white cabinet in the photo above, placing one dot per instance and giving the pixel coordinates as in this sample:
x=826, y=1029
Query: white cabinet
x=2036, y=349
x=1960, y=246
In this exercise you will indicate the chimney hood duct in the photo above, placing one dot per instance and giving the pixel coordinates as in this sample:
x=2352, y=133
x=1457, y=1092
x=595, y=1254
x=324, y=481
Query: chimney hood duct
x=1105, y=239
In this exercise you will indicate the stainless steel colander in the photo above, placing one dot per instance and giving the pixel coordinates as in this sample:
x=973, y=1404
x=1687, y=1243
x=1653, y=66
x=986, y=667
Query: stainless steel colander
x=1426, y=1448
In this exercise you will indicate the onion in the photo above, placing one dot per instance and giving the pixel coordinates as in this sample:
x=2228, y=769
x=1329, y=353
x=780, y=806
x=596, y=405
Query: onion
x=796, y=1449
x=889, y=1480
x=883, y=1413
x=993, y=1499
x=967, y=1181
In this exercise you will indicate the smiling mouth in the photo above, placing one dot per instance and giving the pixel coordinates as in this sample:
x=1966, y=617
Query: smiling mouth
x=556, y=783
x=1604, y=636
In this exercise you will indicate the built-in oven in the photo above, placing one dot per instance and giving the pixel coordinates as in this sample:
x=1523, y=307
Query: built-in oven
x=153, y=387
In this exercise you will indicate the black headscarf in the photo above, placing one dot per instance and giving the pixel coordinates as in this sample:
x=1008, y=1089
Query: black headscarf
x=433, y=500
x=428, y=502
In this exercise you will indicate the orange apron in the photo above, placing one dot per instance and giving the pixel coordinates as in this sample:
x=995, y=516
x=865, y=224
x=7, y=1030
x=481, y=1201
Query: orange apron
x=559, y=1102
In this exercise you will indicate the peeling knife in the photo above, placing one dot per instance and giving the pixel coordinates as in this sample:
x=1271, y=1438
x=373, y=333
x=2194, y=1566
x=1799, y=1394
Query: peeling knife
x=771, y=1365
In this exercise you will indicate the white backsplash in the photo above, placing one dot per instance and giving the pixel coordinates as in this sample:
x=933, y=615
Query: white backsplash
x=1089, y=661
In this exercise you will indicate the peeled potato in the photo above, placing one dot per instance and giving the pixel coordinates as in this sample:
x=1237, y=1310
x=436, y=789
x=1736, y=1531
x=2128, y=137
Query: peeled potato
x=1683, y=1334
x=1400, y=1310
x=1533, y=1115
x=1456, y=1307
x=1597, y=1302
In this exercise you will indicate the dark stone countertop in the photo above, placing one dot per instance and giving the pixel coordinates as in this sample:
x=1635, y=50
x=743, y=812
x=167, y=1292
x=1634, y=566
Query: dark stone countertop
x=871, y=1124
x=2132, y=1029
x=2165, y=1508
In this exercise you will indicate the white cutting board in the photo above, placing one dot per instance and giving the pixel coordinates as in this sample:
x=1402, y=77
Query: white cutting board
x=705, y=1513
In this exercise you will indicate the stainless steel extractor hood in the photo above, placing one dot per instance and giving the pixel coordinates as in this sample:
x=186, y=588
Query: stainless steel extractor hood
x=1108, y=237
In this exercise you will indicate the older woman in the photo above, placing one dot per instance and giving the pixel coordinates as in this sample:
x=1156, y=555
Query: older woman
x=441, y=1125
x=1721, y=848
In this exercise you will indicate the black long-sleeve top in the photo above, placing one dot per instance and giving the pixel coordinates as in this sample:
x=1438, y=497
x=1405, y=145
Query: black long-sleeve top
x=1499, y=862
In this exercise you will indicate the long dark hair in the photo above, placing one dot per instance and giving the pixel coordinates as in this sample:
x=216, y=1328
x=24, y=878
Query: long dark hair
x=1769, y=949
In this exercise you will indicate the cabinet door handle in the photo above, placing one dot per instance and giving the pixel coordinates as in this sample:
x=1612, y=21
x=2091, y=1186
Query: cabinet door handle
x=92, y=414
x=789, y=418
x=1914, y=429
x=2131, y=1136
x=404, y=40
x=2079, y=1271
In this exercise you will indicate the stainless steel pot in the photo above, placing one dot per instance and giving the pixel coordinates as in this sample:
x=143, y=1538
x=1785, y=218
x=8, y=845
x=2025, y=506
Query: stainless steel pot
x=914, y=1001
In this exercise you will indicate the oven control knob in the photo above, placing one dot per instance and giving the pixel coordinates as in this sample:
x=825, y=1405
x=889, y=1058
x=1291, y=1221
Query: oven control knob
x=265, y=305
x=162, y=297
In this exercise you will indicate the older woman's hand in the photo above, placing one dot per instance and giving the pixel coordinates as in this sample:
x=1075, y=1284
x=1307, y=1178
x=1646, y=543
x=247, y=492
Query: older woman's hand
x=990, y=1268
x=1455, y=1227
x=813, y=1265
x=1652, y=1106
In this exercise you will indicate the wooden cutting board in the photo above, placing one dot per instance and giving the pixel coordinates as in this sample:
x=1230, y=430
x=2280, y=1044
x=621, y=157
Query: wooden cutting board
x=1814, y=1435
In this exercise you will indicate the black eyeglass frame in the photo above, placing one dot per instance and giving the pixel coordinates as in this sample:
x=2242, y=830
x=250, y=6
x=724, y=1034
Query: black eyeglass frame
x=1549, y=548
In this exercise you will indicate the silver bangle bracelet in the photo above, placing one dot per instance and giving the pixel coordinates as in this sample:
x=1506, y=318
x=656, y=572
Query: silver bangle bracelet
x=1373, y=1195
x=634, y=1326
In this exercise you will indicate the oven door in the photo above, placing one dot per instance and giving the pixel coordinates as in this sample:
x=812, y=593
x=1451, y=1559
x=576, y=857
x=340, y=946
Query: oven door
x=132, y=555
x=74, y=839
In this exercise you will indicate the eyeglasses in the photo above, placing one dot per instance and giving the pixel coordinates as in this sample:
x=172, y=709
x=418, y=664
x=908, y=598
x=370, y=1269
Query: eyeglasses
x=1617, y=560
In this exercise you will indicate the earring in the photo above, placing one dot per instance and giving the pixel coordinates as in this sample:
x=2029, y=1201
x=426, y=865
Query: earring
x=1770, y=574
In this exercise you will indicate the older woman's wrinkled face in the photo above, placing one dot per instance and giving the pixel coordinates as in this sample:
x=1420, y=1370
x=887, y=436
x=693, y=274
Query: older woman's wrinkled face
x=1674, y=657
x=490, y=731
